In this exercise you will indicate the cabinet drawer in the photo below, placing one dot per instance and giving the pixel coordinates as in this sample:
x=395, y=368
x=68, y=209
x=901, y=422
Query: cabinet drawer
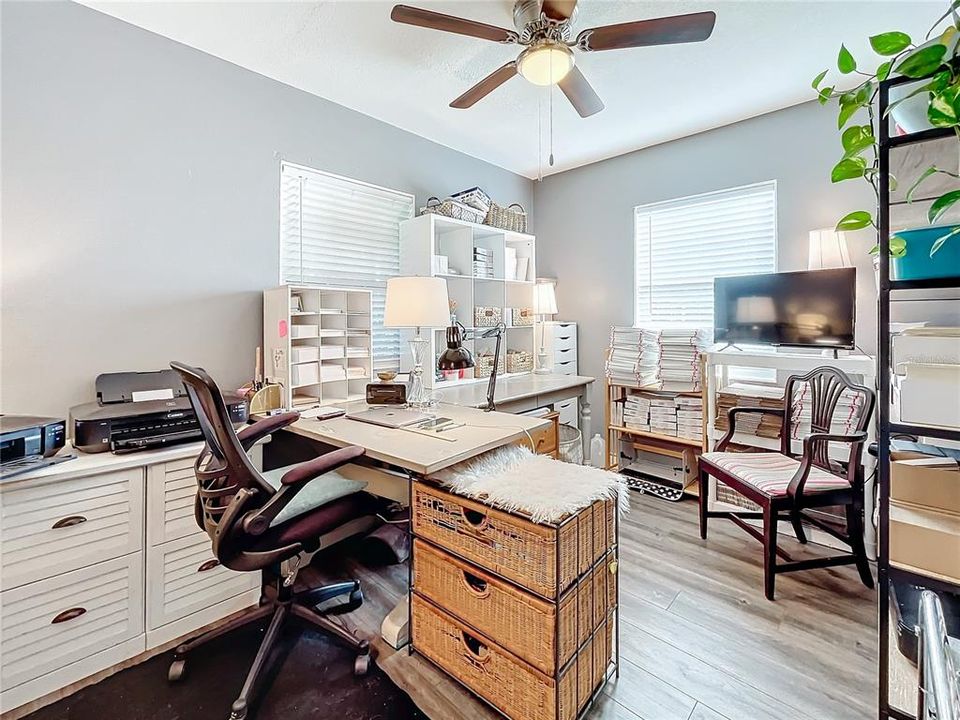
x=183, y=577
x=545, y=439
x=51, y=623
x=569, y=412
x=171, y=493
x=52, y=526
x=562, y=341
x=560, y=356
x=565, y=368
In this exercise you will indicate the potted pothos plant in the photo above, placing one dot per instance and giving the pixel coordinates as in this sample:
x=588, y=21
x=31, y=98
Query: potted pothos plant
x=935, y=64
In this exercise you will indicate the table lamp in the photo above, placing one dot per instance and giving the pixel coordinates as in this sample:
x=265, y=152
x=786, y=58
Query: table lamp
x=828, y=249
x=457, y=357
x=544, y=303
x=417, y=302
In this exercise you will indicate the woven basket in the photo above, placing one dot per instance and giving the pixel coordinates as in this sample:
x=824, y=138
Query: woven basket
x=524, y=552
x=486, y=316
x=453, y=209
x=519, y=361
x=522, y=317
x=475, y=198
x=512, y=218
x=516, y=689
x=484, y=366
x=522, y=623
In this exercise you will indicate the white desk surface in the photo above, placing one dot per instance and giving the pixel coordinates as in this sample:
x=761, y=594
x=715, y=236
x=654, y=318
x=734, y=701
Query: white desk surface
x=414, y=451
x=512, y=389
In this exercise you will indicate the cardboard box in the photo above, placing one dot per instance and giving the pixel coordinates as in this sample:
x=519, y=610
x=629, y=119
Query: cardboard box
x=925, y=481
x=926, y=540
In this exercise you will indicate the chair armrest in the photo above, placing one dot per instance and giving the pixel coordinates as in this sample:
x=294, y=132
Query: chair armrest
x=323, y=464
x=732, y=415
x=252, y=434
x=810, y=452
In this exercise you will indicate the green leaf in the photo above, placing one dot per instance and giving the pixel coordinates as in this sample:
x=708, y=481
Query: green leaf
x=825, y=94
x=938, y=243
x=848, y=169
x=942, y=204
x=845, y=62
x=818, y=79
x=856, y=220
x=922, y=62
x=846, y=112
x=883, y=70
x=890, y=43
x=944, y=107
x=916, y=183
x=856, y=139
x=864, y=93
x=892, y=182
x=916, y=91
x=898, y=246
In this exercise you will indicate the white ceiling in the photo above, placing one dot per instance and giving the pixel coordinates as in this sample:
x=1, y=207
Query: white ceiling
x=761, y=57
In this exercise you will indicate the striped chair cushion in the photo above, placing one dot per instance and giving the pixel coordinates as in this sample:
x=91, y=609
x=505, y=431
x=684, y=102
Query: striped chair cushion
x=771, y=472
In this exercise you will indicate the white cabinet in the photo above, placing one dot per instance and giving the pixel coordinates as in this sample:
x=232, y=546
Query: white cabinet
x=560, y=344
x=52, y=526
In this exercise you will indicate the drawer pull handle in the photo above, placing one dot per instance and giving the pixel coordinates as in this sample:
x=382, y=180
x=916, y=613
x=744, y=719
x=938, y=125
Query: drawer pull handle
x=68, y=522
x=477, y=586
x=476, y=650
x=68, y=615
x=208, y=565
x=475, y=519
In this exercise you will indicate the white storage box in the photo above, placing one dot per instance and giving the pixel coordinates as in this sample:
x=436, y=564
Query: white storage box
x=929, y=394
x=304, y=354
x=331, y=352
x=927, y=345
x=307, y=374
x=304, y=331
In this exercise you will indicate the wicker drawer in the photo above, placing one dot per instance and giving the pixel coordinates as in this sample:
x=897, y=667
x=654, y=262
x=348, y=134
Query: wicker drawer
x=518, y=690
x=51, y=526
x=544, y=559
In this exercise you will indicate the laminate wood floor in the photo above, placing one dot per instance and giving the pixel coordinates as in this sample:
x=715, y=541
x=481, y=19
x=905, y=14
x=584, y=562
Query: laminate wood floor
x=700, y=642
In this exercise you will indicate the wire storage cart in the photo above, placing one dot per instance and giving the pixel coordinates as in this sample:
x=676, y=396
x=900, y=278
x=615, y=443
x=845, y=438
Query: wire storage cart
x=899, y=697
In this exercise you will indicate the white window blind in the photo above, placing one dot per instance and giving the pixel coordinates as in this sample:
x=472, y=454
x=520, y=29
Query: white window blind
x=338, y=232
x=682, y=245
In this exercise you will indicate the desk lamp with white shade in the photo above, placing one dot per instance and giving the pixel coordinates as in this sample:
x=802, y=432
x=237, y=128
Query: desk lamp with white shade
x=417, y=302
x=544, y=303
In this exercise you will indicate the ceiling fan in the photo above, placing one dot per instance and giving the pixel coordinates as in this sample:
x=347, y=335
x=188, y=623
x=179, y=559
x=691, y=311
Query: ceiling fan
x=544, y=30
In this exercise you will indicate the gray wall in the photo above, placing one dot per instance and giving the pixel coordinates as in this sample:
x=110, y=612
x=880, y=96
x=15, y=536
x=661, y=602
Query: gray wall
x=139, y=210
x=585, y=216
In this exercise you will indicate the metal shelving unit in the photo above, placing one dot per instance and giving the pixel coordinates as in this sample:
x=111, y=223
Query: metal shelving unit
x=888, y=290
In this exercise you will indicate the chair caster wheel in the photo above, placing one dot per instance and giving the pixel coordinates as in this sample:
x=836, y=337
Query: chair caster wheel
x=361, y=666
x=239, y=710
x=177, y=669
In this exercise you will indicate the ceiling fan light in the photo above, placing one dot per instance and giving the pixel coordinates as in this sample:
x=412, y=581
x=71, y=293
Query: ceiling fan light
x=545, y=64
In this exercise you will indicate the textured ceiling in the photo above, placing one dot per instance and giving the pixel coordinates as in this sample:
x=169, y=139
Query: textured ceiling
x=761, y=57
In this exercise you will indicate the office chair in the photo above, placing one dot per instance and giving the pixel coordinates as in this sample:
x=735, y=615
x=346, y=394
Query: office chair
x=784, y=486
x=256, y=525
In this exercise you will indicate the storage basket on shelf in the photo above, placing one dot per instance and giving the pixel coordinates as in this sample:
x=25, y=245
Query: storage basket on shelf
x=484, y=365
x=519, y=361
x=475, y=198
x=484, y=317
x=522, y=317
x=512, y=218
x=453, y=209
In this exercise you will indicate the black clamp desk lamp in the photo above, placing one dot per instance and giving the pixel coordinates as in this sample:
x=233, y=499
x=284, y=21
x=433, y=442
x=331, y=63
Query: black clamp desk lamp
x=457, y=357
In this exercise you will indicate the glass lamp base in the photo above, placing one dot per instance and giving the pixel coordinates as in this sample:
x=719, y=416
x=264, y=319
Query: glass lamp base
x=417, y=395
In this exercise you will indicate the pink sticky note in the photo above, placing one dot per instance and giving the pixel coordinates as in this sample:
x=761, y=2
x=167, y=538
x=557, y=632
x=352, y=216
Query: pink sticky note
x=282, y=328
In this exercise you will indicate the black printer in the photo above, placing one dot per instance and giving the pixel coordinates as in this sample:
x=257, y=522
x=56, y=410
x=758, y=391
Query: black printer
x=139, y=411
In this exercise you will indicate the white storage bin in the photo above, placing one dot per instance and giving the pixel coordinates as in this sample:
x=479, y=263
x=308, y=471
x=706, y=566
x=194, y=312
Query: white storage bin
x=307, y=374
x=331, y=352
x=929, y=394
x=304, y=354
x=304, y=331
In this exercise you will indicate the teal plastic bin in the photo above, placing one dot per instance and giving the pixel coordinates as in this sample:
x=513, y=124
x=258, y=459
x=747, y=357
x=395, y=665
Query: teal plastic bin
x=917, y=263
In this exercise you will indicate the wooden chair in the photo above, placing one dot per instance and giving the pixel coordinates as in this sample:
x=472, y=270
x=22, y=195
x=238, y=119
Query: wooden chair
x=784, y=486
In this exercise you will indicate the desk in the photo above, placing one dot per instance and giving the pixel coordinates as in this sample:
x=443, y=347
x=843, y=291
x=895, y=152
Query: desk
x=528, y=392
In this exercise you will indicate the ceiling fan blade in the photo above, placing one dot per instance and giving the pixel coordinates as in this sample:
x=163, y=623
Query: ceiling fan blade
x=694, y=27
x=449, y=23
x=559, y=10
x=486, y=86
x=580, y=93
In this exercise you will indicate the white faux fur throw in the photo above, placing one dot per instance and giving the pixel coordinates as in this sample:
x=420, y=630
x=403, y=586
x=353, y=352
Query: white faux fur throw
x=512, y=478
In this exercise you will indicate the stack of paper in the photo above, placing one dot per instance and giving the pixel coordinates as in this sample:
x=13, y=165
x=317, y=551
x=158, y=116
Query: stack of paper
x=657, y=358
x=636, y=412
x=689, y=417
x=844, y=416
x=663, y=415
x=747, y=395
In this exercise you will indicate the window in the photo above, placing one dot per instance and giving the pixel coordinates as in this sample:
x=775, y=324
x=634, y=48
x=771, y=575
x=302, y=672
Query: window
x=338, y=232
x=682, y=245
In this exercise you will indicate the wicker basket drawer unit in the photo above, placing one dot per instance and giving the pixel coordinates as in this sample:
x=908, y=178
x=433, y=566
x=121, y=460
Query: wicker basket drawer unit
x=545, y=559
x=544, y=634
x=515, y=688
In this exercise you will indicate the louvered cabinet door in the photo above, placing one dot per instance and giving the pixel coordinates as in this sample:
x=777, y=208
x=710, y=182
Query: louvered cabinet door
x=52, y=526
x=171, y=493
x=52, y=623
x=183, y=579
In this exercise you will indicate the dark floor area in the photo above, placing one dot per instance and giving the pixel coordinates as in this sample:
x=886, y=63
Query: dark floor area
x=314, y=679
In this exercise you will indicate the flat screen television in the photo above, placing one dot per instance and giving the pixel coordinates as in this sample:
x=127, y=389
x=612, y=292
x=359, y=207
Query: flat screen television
x=813, y=308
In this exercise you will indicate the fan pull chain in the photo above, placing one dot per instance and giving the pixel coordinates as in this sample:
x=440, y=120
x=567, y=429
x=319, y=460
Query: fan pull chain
x=540, y=137
x=550, y=90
